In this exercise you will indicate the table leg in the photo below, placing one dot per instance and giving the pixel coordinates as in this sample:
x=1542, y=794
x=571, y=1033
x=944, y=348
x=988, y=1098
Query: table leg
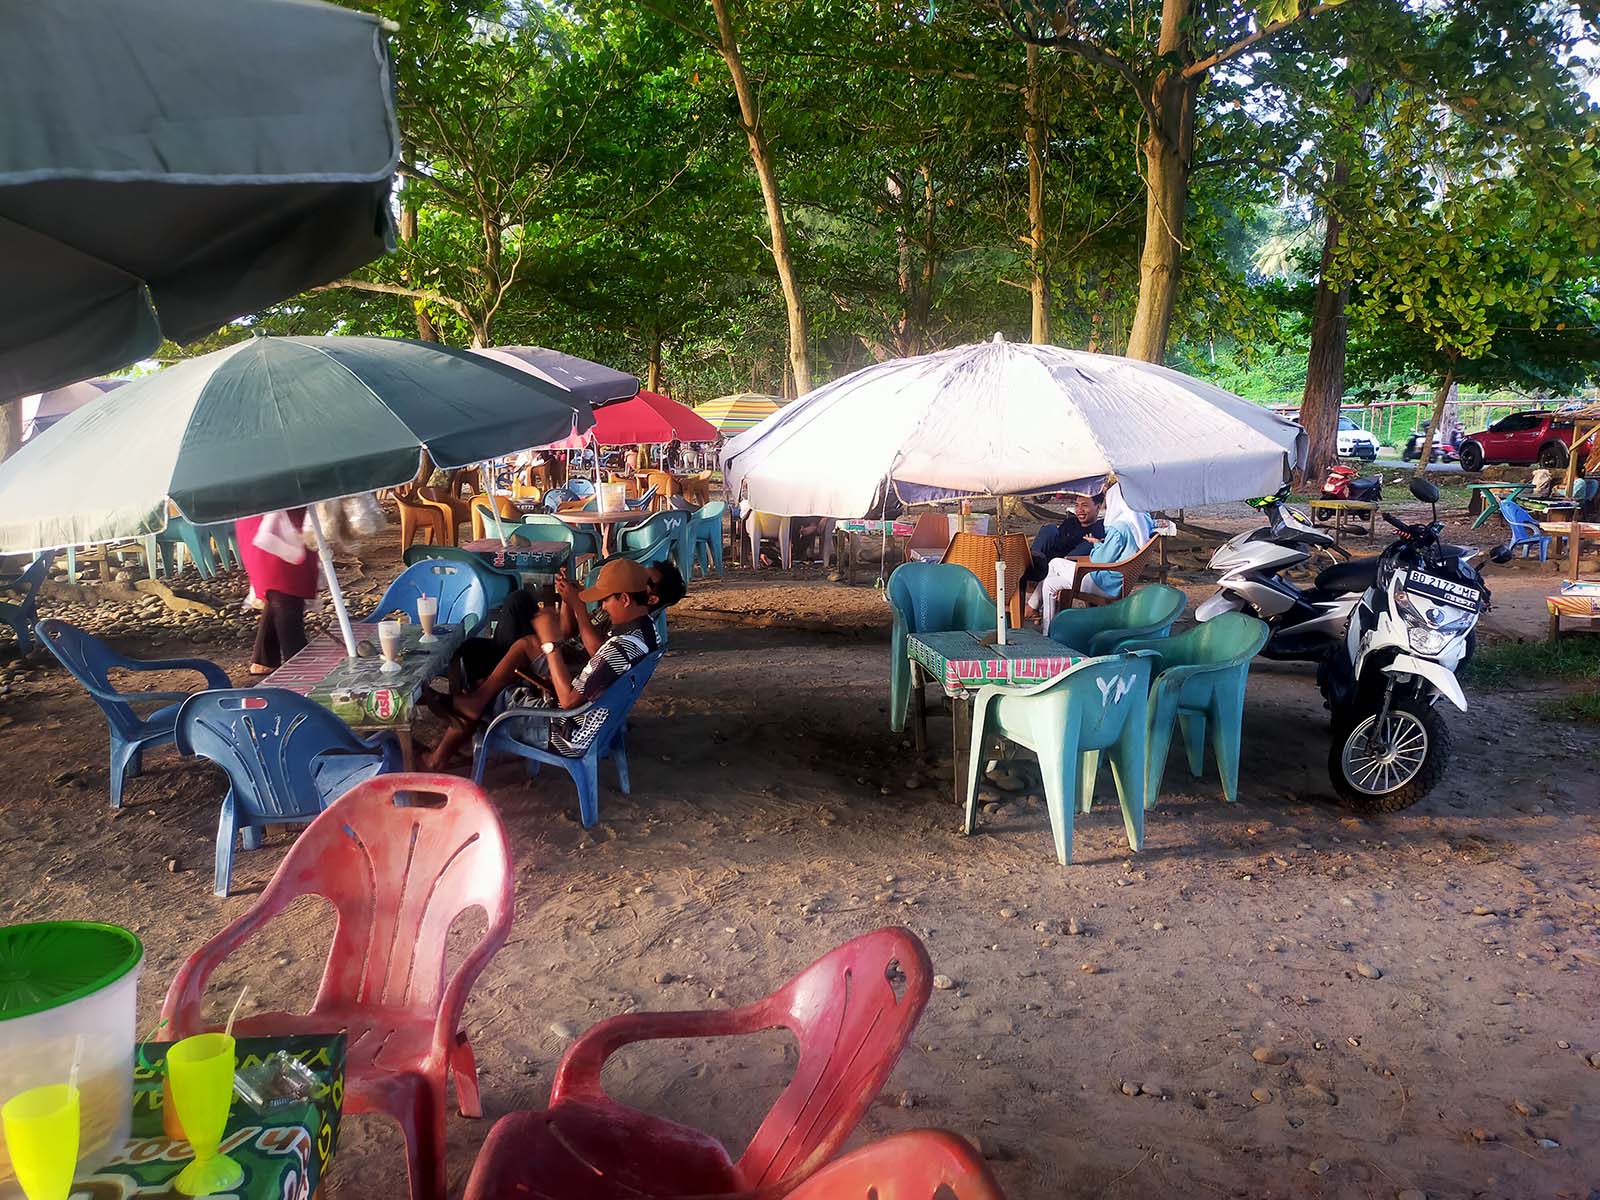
x=919, y=708
x=850, y=565
x=408, y=749
x=961, y=736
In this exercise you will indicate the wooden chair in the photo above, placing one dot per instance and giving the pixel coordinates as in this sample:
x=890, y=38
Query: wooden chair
x=978, y=552
x=419, y=515
x=1132, y=569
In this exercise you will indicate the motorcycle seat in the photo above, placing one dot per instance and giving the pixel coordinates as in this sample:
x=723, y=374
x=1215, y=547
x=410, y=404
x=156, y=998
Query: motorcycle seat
x=1357, y=575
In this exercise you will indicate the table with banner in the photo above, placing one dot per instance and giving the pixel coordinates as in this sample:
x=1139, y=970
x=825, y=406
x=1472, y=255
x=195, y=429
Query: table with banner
x=962, y=662
x=285, y=1151
x=848, y=535
x=358, y=692
x=534, y=562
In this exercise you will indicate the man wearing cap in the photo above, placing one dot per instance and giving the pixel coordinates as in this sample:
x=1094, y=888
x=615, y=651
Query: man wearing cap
x=623, y=590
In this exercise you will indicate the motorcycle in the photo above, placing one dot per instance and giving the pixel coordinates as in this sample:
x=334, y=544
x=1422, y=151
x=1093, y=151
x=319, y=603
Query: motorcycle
x=1388, y=635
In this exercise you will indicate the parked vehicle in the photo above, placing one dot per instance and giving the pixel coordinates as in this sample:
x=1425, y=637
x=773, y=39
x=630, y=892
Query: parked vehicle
x=1388, y=635
x=1356, y=442
x=1343, y=483
x=1443, y=451
x=1523, y=438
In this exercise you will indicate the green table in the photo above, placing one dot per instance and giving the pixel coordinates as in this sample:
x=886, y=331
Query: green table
x=285, y=1153
x=962, y=662
x=1488, y=495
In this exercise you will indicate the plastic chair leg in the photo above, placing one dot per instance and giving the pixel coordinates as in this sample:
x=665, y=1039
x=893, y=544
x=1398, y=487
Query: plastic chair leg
x=226, y=824
x=423, y=1128
x=585, y=775
x=1227, y=730
x=1091, y=771
x=974, y=760
x=1060, y=767
x=124, y=766
x=1127, y=769
x=1157, y=746
x=464, y=1069
x=1192, y=724
x=619, y=760
x=900, y=684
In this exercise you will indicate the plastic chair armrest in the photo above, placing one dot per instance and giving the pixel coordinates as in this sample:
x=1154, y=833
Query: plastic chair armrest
x=181, y=1008
x=454, y=1001
x=115, y=697
x=578, y=1074
x=213, y=674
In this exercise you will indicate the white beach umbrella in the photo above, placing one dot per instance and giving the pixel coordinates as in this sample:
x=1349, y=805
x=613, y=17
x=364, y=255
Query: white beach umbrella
x=1005, y=419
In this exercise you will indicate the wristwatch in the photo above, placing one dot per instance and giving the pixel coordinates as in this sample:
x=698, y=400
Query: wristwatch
x=547, y=647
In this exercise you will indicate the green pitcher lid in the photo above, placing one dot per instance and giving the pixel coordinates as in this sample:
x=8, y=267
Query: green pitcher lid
x=46, y=964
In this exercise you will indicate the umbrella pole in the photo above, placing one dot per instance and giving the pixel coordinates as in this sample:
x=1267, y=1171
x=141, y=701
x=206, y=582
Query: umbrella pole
x=339, y=608
x=494, y=504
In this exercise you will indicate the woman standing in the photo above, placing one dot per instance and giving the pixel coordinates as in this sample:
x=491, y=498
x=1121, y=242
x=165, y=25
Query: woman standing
x=283, y=575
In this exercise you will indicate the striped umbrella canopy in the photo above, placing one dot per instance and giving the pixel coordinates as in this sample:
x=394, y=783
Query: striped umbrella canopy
x=736, y=413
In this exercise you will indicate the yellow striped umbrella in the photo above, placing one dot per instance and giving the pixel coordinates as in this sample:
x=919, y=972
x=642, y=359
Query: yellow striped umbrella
x=735, y=414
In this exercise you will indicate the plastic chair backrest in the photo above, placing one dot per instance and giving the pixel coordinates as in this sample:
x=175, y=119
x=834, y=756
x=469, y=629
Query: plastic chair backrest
x=935, y=597
x=922, y=1164
x=851, y=1024
x=398, y=875
x=267, y=740
x=1141, y=613
x=541, y=527
x=619, y=699
x=931, y=533
x=29, y=582
x=497, y=585
x=456, y=584
x=662, y=527
x=1103, y=693
x=709, y=516
x=1231, y=639
x=90, y=661
x=1523, y=527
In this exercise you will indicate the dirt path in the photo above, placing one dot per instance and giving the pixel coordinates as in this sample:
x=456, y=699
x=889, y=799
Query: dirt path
x=1419, y=976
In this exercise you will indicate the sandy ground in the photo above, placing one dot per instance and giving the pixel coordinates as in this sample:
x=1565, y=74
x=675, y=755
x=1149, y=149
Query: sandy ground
x=1422, y=987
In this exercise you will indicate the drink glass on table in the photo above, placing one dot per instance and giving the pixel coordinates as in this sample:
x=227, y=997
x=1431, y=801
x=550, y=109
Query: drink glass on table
x=200, y=1072
x=427, y=613
x=41, y=1129
x=389, y=646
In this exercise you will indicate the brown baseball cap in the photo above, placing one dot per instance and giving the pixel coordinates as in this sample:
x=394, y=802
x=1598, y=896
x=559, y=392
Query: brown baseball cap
x=618, y=575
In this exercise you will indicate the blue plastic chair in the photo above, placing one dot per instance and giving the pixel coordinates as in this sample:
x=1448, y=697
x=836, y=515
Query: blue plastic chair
x=662, y=536
x=608, y=742
x=462, y=600
x=1199, y=683
x=1525, y=531
x=542, y=527
x=1102, y=629
x=223, y=539
x=929, y=598
x=90, y=661
x=497, y=584
x=21, y=614
x=705, y=537
x=287, y=758
x=643, y=501
x=1098, y=704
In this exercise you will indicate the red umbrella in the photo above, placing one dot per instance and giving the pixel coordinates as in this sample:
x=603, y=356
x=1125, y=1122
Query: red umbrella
x=652, y=418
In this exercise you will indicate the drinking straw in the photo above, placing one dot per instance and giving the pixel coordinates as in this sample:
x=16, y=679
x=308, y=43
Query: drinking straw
x=227, y=1030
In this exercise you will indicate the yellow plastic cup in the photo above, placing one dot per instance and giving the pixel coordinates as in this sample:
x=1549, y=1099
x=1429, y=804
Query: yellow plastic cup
x=200, y=1070
x=41, y=1128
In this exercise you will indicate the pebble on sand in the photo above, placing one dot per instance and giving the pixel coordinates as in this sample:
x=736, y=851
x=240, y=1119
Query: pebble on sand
x=1268, y=1056
x=1368, y=971
x=1319, y=1166
x=1411, y=1194
x=1261, y=1095
x=1131, y=1089
x=943, y=982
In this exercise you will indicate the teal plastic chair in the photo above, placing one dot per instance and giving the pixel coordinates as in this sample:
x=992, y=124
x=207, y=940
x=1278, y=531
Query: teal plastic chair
x=1099, y=704
x=497, y=584
x=543, y=527
x=1106, y=628
x=193, y=538
x=1199, y=684
x=929, y=598
x=705, y=534
x=662, y=536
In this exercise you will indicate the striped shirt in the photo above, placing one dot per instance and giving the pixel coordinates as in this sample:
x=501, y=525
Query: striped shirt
x=570, y=736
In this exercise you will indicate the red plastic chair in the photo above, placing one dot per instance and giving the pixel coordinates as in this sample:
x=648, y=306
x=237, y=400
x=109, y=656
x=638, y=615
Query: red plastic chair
x=398, y=877
x=924, y=1164
x=851, y=1027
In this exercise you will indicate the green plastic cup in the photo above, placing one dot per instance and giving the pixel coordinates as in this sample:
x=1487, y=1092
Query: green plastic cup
x=41, y=1128
x=200, y=1070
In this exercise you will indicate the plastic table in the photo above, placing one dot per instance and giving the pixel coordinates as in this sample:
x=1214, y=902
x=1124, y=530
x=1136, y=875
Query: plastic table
x=358, y=692
x=606, y=520
x=535, y=562
x=963, y=662
x=285, y=1152
x=1488, y=496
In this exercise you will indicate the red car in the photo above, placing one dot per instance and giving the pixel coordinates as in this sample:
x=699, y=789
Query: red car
x=1523, y=438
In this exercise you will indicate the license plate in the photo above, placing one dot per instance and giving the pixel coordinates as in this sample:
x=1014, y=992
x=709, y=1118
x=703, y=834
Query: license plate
x=1447, y=591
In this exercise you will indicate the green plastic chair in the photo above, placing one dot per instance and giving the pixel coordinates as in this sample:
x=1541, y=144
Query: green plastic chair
x=1099, y=704
x=1106, y=628
x=497, y=584
x=544, y=527
x=929, y=598
x=705, y=535
x=1200, y=682
x=664, y=535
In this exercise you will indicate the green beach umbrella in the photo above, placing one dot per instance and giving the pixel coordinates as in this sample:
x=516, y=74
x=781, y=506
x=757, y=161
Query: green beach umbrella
x=270, y=423
x=168, y=165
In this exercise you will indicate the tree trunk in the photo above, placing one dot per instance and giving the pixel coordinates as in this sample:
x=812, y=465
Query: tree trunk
x=426, y=330
x=1446, y=387
x=761, y=156
x=1168, y=158
x=1319, y=403
x=10, y=428
x=652, y=379
x=1034, y=134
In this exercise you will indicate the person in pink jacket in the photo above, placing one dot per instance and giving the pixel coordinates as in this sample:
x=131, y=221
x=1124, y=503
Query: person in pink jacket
x=283, y=575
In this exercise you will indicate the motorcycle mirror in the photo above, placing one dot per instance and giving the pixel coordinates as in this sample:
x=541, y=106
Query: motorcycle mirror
x=1500, y=554
x=1424, y=491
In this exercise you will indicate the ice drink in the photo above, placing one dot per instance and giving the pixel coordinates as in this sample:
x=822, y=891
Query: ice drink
x=389, y=646
x=427, y=612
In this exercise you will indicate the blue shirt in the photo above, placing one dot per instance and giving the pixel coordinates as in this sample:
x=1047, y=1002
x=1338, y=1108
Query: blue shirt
x=1121, y=541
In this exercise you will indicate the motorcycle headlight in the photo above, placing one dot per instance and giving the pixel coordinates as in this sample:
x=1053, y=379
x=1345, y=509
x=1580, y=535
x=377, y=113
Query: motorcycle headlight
x=1431, y=626
x=1427, y=641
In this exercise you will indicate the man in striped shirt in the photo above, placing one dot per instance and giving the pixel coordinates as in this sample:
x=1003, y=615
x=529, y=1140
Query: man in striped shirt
x=623, y=590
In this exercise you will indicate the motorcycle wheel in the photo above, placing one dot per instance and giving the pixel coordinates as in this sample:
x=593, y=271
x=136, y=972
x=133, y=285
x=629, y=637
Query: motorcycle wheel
x=1398, y=768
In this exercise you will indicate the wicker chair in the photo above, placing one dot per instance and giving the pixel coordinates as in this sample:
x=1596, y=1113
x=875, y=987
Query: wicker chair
x=978, y=552
x=1132, y=569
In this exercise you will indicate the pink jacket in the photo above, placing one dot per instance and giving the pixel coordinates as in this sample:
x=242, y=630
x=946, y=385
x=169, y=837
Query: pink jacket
x=268, y=572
